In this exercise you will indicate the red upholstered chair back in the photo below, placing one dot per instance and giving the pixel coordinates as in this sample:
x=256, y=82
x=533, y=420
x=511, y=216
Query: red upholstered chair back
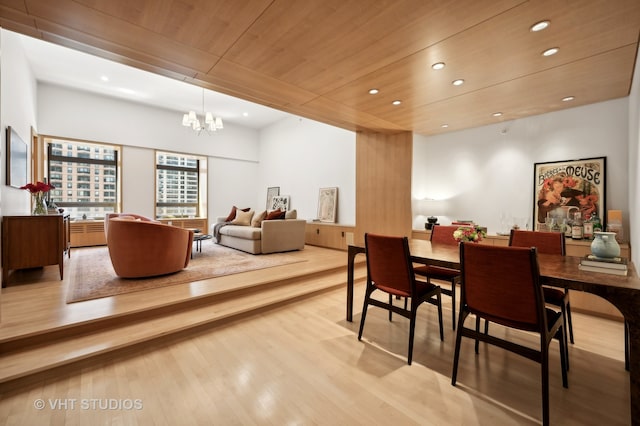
x=443, y=234
x=388, y=265
x=545, y=242
x=502, y=285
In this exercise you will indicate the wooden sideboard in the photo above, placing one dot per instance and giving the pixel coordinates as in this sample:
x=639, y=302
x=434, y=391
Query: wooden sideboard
x=34, y=241
x=580, y=301
x=329, y=235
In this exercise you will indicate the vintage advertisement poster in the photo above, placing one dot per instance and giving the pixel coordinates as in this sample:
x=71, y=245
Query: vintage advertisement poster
x=564, y=187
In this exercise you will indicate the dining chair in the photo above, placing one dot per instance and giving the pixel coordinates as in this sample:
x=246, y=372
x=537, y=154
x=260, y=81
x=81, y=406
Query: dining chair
x=389, y=269
x=512, y=273
x=442, y=234
x=548, y=243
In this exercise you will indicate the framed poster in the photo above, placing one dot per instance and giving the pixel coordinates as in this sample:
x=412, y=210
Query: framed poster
x=279, y=202
x=16, y=159
x=562, y=188
x=327, y=204
x=272, y=191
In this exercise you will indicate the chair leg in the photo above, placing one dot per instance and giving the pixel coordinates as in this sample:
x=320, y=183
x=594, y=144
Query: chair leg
x=367, y=295
x=568, y=308
x=453, y=303
x=545, y=382
x=564, y=357
x=626, y=345
x=565, y=317
x=412, y=327
x=440, y=316
x=390, y=304
x=477, y=344
x=456, y=352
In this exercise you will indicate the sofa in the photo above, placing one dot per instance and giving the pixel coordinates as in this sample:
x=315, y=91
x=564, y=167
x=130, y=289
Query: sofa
x=146, y=248
x=259, y=235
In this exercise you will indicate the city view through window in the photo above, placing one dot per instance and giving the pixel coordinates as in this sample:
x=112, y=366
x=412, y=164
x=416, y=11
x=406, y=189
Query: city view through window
x=85, y=177
x=177, y=185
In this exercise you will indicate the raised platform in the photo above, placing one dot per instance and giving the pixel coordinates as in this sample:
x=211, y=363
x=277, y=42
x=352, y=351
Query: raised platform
x=40, y=333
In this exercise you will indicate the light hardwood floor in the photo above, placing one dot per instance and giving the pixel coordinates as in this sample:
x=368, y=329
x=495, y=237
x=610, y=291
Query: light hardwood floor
x=302, y=364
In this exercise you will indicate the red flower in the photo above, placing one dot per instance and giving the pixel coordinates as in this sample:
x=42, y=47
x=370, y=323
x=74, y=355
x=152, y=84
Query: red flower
x=38, y=187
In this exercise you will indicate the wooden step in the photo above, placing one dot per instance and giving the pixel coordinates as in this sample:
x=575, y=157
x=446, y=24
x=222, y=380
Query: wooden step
x=35, y=355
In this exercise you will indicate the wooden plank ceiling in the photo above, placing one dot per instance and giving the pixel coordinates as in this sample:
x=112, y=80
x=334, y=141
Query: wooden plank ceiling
x=319, y=58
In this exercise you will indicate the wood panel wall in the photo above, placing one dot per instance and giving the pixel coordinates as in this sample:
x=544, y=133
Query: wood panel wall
x=383, y=184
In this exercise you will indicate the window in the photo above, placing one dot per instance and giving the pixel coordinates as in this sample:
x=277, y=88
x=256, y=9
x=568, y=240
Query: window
x=179, y=185
x=82, y=160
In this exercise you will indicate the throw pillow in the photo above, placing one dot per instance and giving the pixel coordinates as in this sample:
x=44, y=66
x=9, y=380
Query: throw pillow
x=276, y=214
x=256, y=222
x=291, y=214
x=243, y=218
x=232, y=215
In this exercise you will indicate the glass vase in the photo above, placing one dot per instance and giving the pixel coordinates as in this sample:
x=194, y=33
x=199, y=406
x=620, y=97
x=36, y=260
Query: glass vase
x=39, y=204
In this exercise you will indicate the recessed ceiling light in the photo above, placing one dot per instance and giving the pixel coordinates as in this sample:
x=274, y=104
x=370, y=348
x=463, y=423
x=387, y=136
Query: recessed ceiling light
x=550, y=52
x=396, y=102
x=438, y=65
x=444, y=126
x=539, y=26
x=568, y=98
x=458, y=82
x=497, y=114
x=245, y=114
x=104, y=78
x=373, y=91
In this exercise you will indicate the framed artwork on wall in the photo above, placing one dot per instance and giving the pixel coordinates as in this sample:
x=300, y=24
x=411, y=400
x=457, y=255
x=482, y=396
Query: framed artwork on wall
x=272, y=191
x=327, y=204
x=562, y=188
x=279, y=202
x=17, y=161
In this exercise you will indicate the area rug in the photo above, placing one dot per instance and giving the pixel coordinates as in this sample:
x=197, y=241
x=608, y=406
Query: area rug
x=91, y=275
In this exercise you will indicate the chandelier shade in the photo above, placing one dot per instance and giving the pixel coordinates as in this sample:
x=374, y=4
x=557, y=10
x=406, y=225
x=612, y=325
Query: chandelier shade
x=209, y=123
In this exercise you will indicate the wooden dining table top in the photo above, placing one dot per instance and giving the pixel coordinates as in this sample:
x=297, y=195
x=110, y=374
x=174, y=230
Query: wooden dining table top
x=556, y=270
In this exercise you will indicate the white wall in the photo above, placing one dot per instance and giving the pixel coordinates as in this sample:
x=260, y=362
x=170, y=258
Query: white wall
x=233, y=152
x=18, y=110
x=483, y=173
x=301, y=156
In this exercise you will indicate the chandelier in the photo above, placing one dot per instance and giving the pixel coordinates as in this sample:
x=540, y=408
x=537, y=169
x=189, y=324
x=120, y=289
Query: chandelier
x=209, y=123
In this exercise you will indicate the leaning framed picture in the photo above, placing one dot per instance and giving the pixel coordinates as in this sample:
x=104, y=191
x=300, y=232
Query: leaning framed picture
x=563, y=188
x=16, y=159
x=327, y=204
x=279, y=202
x=272, y=191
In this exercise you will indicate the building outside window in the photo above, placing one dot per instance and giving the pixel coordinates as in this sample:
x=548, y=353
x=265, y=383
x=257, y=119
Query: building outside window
x=180, y=186
x=80, y=161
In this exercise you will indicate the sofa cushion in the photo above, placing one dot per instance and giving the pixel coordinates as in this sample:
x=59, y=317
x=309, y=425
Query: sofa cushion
x=243, y=218
x=232, y=214
x=291, y=214
x=258, y=218
x=276, y=214
x=246, y=232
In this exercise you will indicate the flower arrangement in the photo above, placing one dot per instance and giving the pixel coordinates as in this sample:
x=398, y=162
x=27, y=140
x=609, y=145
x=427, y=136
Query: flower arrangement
x=38, y=190
x=471, y=233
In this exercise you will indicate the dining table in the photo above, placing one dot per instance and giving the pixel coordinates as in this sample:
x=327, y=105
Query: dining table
x=556, y=271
